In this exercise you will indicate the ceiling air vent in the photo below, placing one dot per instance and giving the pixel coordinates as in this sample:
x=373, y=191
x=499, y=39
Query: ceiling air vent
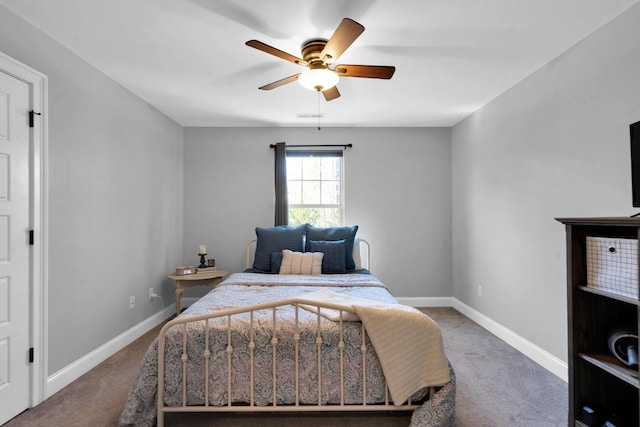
x=310, y=115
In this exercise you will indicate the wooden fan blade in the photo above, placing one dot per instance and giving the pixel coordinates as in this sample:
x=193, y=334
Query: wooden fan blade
x=368, y=71
x=275, y=52
x=331, y=94
x=345, y=34
x=280, y=82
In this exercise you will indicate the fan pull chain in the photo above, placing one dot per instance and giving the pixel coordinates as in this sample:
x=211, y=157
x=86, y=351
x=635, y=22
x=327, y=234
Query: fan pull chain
x=318, y=110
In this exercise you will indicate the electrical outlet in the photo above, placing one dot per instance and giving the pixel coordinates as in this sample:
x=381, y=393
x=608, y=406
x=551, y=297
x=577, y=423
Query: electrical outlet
x=479, y=291
x=151, y=294
x=132, y=303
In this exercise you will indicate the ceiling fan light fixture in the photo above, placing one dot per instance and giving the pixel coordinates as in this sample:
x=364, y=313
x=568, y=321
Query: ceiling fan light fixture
x=318, y=55
x=318, y=79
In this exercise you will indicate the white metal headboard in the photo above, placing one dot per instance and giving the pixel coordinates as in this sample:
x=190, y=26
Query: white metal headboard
x=362, y=261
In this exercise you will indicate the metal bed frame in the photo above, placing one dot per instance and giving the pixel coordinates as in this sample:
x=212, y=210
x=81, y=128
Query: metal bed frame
x=251, y=406
x=274, y=406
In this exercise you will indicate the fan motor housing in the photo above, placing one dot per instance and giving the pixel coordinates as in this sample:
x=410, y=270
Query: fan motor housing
x=311, y=50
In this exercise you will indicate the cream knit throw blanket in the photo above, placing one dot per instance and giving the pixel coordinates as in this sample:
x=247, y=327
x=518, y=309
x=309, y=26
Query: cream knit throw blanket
x=408, y=342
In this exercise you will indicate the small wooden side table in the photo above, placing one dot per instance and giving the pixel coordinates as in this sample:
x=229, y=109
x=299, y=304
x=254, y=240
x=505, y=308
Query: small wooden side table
x=209, y=278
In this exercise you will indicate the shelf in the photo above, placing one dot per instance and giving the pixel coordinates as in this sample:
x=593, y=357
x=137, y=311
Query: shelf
x=596, y=376
x=611, y=295
x=611, y=365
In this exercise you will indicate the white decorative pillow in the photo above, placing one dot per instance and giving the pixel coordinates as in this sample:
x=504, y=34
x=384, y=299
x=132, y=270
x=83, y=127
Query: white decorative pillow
x=308, y=263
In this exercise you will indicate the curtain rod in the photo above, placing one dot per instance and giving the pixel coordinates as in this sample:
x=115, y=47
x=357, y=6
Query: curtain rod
x=344, y=146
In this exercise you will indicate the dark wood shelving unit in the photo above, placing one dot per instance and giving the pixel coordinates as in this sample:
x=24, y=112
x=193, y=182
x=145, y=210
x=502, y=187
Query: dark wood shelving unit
x=596, y=377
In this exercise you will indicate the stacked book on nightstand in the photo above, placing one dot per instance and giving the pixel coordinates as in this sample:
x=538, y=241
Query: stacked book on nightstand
x=205, y=269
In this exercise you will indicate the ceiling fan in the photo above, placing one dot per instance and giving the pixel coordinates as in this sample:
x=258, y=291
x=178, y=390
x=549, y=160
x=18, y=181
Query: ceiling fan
x=318, y=55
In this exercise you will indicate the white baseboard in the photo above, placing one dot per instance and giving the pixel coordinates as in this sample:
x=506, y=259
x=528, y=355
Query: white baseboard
x=426, y=301
x=532, y=351
x=72, y=372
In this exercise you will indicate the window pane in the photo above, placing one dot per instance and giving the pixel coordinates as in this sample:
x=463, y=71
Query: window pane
x=330, y=192
x=311, y=167
x=311, y=192
x=294, y=189
x=330, y=217
x=294, y=168
x=299, y=216
x=331, y=168
x=320, y=217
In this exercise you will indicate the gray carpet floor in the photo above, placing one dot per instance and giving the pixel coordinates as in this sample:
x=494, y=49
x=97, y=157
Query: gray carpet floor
x=496, y=386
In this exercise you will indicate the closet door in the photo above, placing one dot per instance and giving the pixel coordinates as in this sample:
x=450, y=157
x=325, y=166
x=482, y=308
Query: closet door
x=14, y=247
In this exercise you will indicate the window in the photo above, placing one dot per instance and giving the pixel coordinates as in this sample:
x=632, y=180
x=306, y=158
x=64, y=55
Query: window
x=314, y=182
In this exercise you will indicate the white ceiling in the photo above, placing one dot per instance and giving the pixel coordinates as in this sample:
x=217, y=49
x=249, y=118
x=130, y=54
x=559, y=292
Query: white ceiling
x=188, y=58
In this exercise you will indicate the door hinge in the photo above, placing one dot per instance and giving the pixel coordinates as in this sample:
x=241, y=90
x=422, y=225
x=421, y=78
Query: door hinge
x=31, y=114
x=31, y=237
x=31, y=355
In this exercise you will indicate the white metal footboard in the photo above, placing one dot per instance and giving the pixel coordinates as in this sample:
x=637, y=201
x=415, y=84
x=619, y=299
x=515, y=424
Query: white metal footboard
x=205, y=322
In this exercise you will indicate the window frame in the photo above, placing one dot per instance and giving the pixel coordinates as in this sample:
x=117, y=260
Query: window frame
x=320, y=153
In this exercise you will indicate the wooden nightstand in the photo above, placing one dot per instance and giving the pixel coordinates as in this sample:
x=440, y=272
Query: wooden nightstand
x=210, y=278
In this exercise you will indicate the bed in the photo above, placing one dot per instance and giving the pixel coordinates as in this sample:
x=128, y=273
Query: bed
x=277, y=338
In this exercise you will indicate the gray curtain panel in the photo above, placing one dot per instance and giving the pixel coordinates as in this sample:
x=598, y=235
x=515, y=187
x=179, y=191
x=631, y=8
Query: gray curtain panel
x=282, y=202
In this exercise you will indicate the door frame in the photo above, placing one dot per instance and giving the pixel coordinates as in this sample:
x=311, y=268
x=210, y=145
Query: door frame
x=38, y=175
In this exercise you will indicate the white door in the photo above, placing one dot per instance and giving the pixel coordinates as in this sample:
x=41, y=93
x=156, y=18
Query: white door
x=14, y=247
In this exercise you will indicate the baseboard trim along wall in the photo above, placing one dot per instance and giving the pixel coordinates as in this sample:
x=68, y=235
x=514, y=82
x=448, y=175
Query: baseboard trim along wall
x=67, y=375
x=72, y=372
x=529, y=349
x=532, y=351
x=426, y=301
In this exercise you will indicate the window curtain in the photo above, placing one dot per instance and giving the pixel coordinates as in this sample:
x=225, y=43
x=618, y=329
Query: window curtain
x=282, y=203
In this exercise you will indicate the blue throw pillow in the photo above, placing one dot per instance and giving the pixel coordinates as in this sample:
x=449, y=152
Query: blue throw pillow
x=276, y=261
x=348, y=234
x=334, y=259
x=275, y=239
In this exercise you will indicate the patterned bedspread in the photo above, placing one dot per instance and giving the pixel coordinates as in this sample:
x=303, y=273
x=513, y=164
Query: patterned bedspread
x=244, y=289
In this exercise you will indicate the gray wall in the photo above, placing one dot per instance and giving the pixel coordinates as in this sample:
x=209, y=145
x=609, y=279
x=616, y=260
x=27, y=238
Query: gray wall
x=115, y=213
x=557, y=144
x=398, y=191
